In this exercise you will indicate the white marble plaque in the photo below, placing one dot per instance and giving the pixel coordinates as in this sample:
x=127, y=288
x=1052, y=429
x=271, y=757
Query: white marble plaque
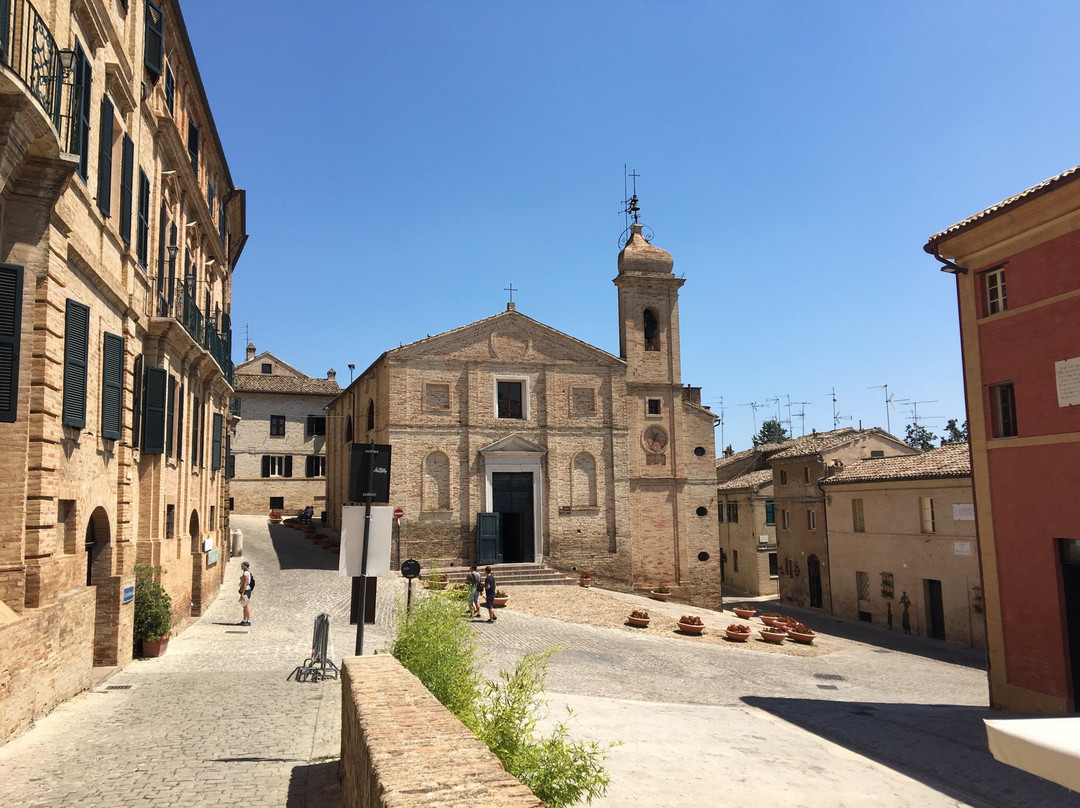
x=1067, y=374
x=963, y=512
x=961, y=548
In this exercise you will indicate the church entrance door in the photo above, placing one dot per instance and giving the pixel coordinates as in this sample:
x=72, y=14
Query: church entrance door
x=512, y=499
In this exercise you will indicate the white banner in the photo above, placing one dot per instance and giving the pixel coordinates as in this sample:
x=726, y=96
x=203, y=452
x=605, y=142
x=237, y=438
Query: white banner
x=352, y=540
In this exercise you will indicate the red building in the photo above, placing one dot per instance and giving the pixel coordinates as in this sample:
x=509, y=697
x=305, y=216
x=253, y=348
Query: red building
x=1017, y=270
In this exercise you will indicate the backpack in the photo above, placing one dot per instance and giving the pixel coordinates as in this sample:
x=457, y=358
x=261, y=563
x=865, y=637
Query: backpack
x=251, y=583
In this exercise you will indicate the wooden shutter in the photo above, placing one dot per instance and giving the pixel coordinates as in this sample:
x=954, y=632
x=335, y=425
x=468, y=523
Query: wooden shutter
x=136, y=401
x=141, y=243
x=288, y=465
x=81, y=119
x=202, y=434
x=105, y=136
x=76, y=345
x=5, y=34
x=157, y=380
x=193, y=146
x=127, y=171
x=170, y=416
x=112, y=386
x=215, y=446
x=170, y=89
x=180, y=425
x=11, y=278
x=310, y=470
x=266, y=465
x=154, y=50
x=195, y=432
x=230, y=460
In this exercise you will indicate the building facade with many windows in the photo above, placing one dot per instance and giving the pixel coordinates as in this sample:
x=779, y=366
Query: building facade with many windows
x=1018, y=287
x=119, y=230
x=278, y=454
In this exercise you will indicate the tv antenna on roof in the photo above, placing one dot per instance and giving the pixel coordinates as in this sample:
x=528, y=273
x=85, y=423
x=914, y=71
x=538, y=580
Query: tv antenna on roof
x=836, y=416
x=754, y=406
x=632, y=210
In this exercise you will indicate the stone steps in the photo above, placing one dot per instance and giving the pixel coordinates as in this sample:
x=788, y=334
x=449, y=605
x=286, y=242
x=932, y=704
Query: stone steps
x=514, y=575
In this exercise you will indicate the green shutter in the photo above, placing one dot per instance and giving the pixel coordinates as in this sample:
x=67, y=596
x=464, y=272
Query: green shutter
x=143, y=235
x=288, y=465
x=195, y=432
x=215, y=446
x=80, y=120
x=136, y=401
x=170, y=415
x=76, y=345
x=170, y=89
x=10, y=338
x=770, y=512
x=154, y=51
x=266, y=465
x=230, y=460
x=157, y=380
x=112, y=386
x=127, y=170
x=105, y=136
x=180, y=425
x=193, y=146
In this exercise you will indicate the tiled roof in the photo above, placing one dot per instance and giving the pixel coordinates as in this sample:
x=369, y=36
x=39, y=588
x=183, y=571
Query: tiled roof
x=1001, y=207
x=951, y=460
x=817, y=442
x=738, y=457
x=254, y=383
x=751, y=479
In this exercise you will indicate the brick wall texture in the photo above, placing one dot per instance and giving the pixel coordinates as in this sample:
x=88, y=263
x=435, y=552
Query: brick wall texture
x=400, y=748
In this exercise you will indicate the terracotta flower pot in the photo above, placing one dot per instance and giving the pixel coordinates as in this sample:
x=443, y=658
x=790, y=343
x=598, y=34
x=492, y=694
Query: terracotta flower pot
x=584, y=581
x=500, y=602
x=638, y=622
x=154, y=648
x=745, y=614
x=737, y=636
x=661, y=596
x=686, y=628
x=775, y=636
x=805, y=639
x=770, y=621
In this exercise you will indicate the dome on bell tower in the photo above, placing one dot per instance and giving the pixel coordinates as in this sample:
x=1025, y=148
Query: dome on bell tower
x=640, y=257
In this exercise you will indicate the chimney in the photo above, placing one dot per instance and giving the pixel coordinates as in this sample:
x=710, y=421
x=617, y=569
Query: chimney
x=331, y=375
x=728, y=452
x=250, y=351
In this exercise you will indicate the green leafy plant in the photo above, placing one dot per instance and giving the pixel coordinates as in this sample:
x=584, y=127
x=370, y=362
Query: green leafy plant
x=663, y=589
x=640, y=614
x=690, y=620
x=153, y=606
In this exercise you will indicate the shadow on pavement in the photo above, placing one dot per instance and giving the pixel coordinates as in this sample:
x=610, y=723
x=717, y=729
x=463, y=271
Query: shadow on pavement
x=296, y=552
x=315, y=785
x=878, y=635
x=941, y=745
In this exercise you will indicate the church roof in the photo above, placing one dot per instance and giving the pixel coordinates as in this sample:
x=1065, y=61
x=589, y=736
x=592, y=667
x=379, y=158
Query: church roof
x=951, y=460
x=641, y=257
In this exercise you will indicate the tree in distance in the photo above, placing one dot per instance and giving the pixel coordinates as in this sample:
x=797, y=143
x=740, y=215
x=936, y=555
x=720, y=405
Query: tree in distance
x=772, y=431
x=954, y=433
x=919, y=437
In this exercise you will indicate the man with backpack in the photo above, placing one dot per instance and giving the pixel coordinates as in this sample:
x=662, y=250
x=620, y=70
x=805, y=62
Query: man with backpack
x=475, y=585
x=247, y=583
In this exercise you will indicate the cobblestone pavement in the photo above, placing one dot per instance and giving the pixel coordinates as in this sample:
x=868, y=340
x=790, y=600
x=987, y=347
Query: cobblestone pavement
x=862, y=717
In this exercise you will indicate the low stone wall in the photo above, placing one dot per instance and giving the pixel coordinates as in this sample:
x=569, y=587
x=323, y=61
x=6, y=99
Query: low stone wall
x=400, y=748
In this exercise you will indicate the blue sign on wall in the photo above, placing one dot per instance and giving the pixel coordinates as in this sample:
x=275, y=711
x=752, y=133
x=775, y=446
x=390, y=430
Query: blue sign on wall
x=129, y=594
x=213, y=556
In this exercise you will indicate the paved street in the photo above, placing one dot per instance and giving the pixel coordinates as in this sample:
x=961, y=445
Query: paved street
x=214, y=722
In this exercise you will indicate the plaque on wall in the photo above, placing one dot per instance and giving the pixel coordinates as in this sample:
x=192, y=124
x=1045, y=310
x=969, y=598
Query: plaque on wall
x=654, y=439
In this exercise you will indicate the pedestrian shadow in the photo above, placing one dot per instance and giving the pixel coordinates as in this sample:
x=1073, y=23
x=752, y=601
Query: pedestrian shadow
x=315, y=785
x=294, y=551
x=941, y=745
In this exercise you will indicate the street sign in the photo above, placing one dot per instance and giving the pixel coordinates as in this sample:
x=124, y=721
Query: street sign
x=369, y=473
x=398, y=513
x=411, y=569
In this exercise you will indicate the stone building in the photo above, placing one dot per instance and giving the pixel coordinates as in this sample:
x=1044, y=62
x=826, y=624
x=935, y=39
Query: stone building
x=119, y=230
x=746, y=511
x=278, y=453
x=1018, y=291
x=902, y=546
x=802, y=531
x=589, y=460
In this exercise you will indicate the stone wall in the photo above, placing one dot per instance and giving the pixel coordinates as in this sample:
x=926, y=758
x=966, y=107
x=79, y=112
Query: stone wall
x=401, y=747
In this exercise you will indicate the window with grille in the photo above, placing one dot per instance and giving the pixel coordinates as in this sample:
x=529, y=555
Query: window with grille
x=862, y=584
x=887, y=590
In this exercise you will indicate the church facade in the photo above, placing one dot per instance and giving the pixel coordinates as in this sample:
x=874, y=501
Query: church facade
x=561, y=452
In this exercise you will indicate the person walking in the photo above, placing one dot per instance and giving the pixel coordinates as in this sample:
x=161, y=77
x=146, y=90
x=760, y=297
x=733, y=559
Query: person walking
x=247, y=582
x=475, y=585
x=489, y=594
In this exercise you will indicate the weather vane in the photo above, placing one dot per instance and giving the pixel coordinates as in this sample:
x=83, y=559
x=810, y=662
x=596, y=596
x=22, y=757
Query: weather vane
x=631, y=209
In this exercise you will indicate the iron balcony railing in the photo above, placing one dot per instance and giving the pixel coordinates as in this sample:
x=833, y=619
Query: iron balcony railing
x=28, y=48
x=177, y=302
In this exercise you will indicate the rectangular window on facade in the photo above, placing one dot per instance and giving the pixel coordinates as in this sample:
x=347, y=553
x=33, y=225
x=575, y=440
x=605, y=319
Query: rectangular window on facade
x=1003, y=410
x=193, y=146
x=80, y=118
x=789, y=567
x=995, y=290
x=267, y=367
x=210, y=198
x=215, y=442
x=170, y=90
x=11, y=281
x=277, y=466
x=733, y=512
x=277, y=426
x=221, y=220
x=170, y=521
x=127, y=173
x=112, y=386
x=785, y=519
x=926, y=514
x=170, y=416
x=232, y=503
x=180, y=425
x=734, y=560
x=316, y=425
x=653, y=406
x=154, y=406
x=783, y=476
x=105, y=144
x=806, y=474
x=202, y=435
x=154, y=45
x=774, y=566
x=862, y=585
x=277, y=503
x=887, y=590
x=142, y=239
x=76, y=347
x=811, y=520
x=858, y=517
x=316, y=466
x=770, y=512
x=195, y=406
x=510, y=399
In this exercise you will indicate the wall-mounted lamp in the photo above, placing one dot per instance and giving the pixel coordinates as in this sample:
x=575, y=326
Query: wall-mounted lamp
x=67, y=60
x=173, y=250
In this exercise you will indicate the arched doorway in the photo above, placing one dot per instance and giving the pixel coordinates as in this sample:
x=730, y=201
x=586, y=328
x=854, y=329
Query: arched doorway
x=99, y=574
x=813, y=574
x=194, y=532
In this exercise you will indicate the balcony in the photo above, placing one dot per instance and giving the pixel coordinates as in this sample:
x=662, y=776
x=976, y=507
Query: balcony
x=177, y=305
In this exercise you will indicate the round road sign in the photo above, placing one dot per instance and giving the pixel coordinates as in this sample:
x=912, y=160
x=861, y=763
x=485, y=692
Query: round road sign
x=411, y=569
x=398, y=513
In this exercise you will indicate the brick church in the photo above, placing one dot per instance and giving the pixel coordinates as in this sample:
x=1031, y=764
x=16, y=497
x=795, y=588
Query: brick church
x=515, y=442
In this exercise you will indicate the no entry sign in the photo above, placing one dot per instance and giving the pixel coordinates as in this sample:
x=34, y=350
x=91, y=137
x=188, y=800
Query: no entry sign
x=398, y=513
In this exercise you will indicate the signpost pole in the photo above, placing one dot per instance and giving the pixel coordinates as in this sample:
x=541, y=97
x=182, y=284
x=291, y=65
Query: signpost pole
x=369, y=494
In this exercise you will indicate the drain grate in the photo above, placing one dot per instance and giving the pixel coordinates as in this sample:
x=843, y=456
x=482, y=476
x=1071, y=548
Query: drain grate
x=830, y=677
x=828, y=687
x=234, y=631
x=118, y=687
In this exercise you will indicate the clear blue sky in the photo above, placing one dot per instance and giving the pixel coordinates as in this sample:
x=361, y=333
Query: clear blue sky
x=406, y=161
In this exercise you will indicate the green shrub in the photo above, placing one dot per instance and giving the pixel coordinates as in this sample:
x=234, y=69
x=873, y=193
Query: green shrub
x=153, y=606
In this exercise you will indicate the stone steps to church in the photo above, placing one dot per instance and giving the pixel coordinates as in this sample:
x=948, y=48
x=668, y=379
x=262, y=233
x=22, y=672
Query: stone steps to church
x=513, y=575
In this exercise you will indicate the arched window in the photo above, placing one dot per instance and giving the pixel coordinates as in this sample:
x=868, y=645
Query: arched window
x=435, y=492
x=371, y=414
x=583, y=481
x=652, y=331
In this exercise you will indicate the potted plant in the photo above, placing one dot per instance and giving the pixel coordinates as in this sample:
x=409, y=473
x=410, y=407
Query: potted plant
x=801, y=633
x=585, y=578
x=275, y=517
x=437, y=580
x=690, y=624
x=661, y=593
x=500, y=598
x=744, y=611
x=639, y=618
x=738, y=632
x=770, y=618
x=773, y=634
x=153, y=611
